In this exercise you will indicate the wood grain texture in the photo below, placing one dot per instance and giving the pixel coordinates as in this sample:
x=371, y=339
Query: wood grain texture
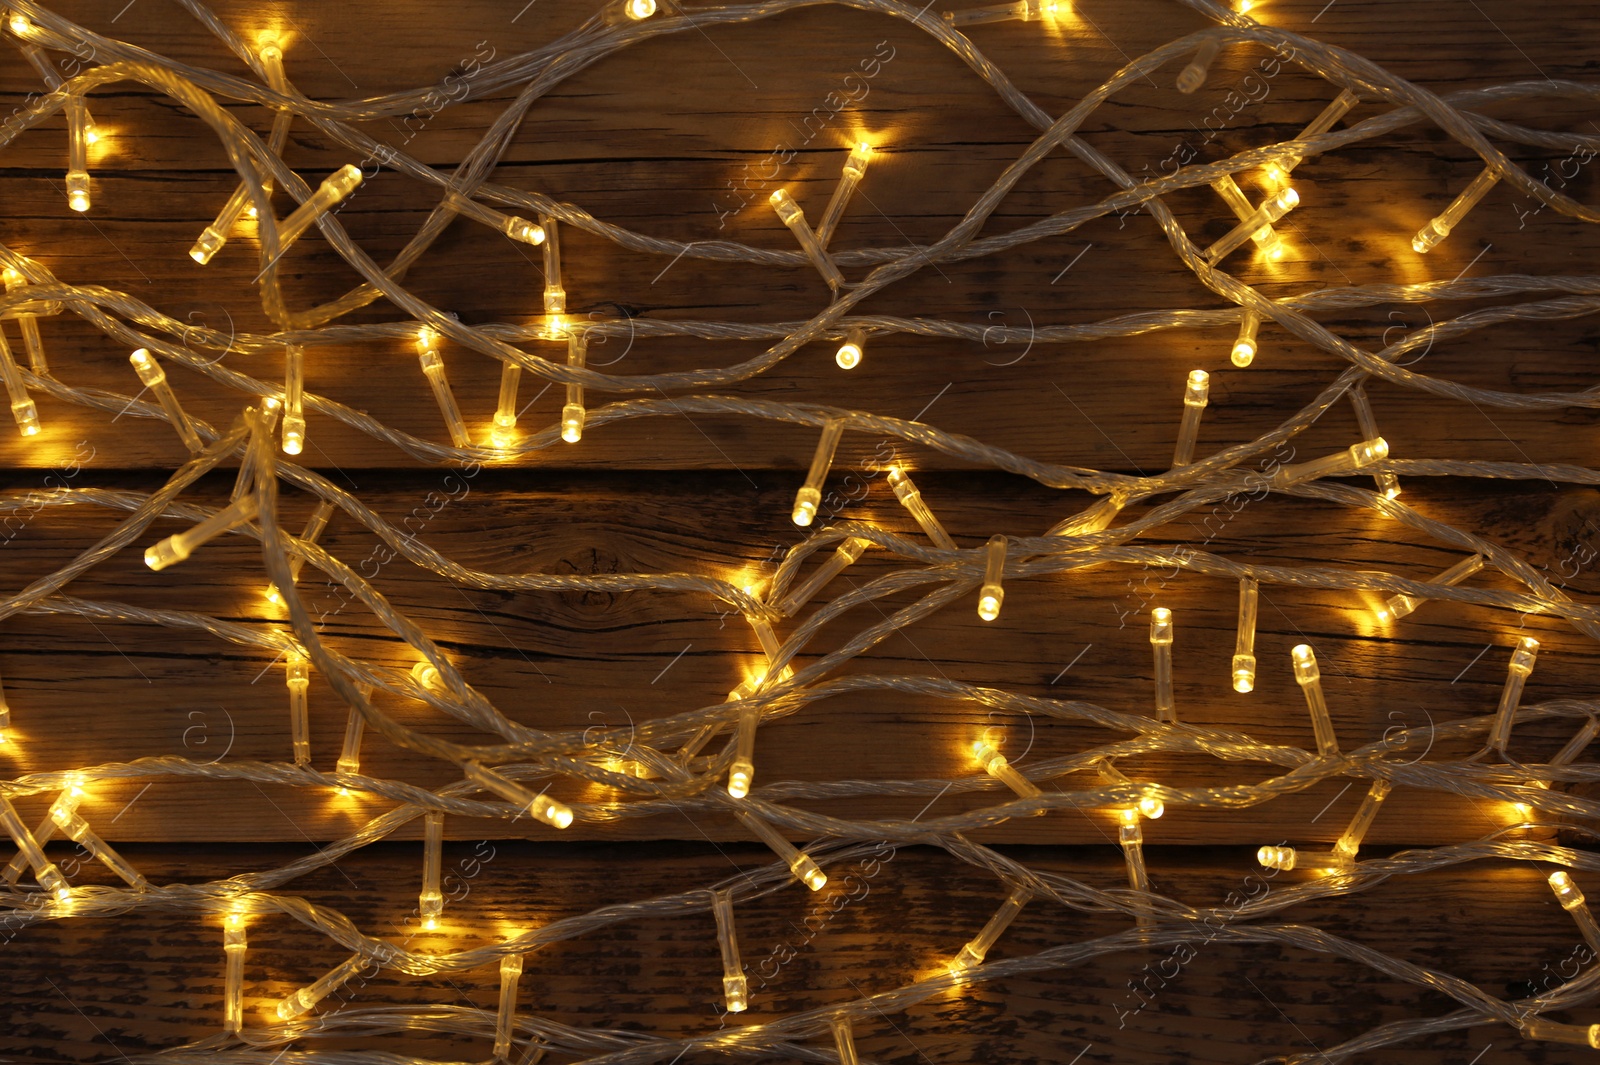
x=575, y=660
x=152, y=979
x=663, y=164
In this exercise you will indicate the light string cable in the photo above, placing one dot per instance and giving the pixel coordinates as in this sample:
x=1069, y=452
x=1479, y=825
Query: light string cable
x=679, y=763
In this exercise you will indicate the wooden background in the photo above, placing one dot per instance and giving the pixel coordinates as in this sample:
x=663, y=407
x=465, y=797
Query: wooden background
x=672, y=138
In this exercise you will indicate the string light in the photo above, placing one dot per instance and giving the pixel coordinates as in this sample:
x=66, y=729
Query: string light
x=1194, y=75
x=64, y=813
x=259, y=467
x=1244, y=348
x=294, y=417
x=28, y=321
x=1024, y=10
x=1147, y=806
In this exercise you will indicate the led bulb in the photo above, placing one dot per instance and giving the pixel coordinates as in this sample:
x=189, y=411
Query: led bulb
x=735, y=989
x=978, y=948
x=994, y=763
x=430, y=901
x=1556, y=1032
x=433, y=369
x=1308, y=675
x=1439, y=228
x=809, y=497
x=1266, y=237
x=297, y=675
x=843, y=1041
x=1398, y=606
x=843, y=556
x=1355, y=457
x=233, y=947
x=504, y=432
x=510, y=972
x=180, y=546
x=1147, y=806
x=1521, y=664
x=849, y=354
x=1387, y=482
x=1282, y=858
x=800, y=864
x=333, y=189
x=1244, y=348
x=855, y=167
x=911, y=498
x=1268, y=213
x=523, y=230
x=991, y=595
x=427, y=674
x=1348, y=843
x=1244, y=648
x=555, y=814
x=307, y=997
x=1195, y=393
x=572, y=415
x=1194, y=75
x=1161, y=644
x=555, y=296
x=77, y=154
x=793, y=217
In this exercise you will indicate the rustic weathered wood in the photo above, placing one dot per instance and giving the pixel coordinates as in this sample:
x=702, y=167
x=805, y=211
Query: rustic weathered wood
x=153, y=979
x=944, y=135
x=570, y=661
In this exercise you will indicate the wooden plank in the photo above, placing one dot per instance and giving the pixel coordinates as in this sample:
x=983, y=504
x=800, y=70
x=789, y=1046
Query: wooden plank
x=151, y=978
x=571, y=661
x=1109, y=404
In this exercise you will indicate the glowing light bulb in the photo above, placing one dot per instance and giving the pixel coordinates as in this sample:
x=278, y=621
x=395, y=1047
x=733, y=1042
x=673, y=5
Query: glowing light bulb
x=307, y=997
x=1266, y=237
x=1556, y=1032
x=315, y=524
x=991, y=595
x=66, y=817
x=1161, y=645
x=641, y=9
x=743, y=769
x=1244, y=348
x=855, y=167
x=1399, y=606
x=1308, y=675
x=354, y=728
x=44, y=870
x=180, y=546
x=978, y=947
x=297, y=675
x=800, y=864
x=1022, y=10
x=1355, y=457
x=22, y=406
x=735, y=989
x=1572, y=901
x=793, y=217
x=1521, y=665
x=1348, y=843
x=333, y=189
x=1092, y=519
x=505, y=1019
x=994, y=763
x=843, y=556
x=504, y=433
x=546, y=809
x=427, y=674
x=1195, y=393
x=28, y=321
x=849, y=354
x=555, y=296
x=1439, y=227
x=233, y=947
x=430, y=902
x=294, y=420
x=1244, y=647
x=572, y=415
x=1268, y=213
x=1387, y=482
x=1147, y=806
x=911, y=498
x=523, y=230
x=77, y=154
x=155, y=379
x=433, y=368
x=809, y=497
